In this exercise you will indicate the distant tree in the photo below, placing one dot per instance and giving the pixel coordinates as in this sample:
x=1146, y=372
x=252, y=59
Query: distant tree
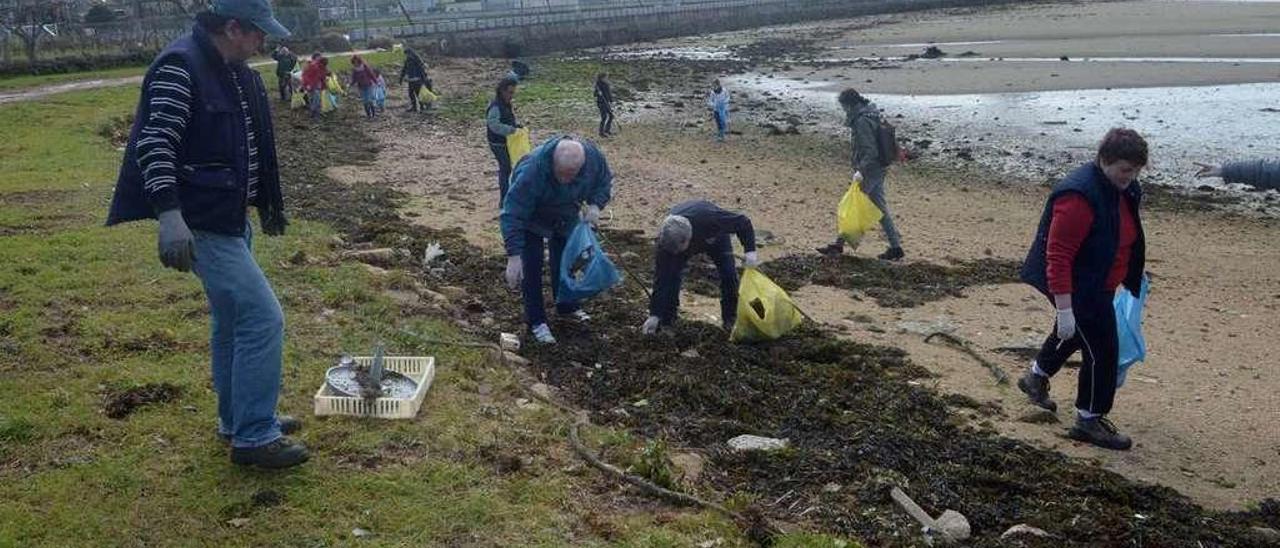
x=99, y=13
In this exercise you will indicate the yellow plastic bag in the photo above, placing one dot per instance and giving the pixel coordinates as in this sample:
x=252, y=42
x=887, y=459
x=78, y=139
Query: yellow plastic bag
x=518, y=145
x=856, y=214
x=765, y=311
x=426, y=97
x=298, y=100
x=331, y=83
x=328, y=102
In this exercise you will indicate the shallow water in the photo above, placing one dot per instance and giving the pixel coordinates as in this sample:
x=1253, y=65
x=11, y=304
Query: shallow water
x=1048, y=132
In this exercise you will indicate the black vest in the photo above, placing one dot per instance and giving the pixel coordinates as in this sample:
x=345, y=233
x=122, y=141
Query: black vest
x=505, y=115
x=1098, y=251
x=213, y=160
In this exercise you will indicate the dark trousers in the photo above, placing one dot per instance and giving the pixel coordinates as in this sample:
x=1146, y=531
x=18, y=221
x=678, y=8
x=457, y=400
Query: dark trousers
x=414, y=89
x=504, y=170
x=535, y=311
x=606, y=118
x=286, y=87
x=1097, y=342
x=670, y=276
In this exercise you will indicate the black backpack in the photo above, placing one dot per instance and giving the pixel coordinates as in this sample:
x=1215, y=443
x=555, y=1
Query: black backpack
x=887, y=142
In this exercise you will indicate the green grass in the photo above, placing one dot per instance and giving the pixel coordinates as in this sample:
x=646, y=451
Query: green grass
x=83, y=308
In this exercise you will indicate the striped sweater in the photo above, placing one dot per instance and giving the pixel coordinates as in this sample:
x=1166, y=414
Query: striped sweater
x=160, y=139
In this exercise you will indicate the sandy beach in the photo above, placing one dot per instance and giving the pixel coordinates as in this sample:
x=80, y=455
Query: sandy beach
x=1202, y=409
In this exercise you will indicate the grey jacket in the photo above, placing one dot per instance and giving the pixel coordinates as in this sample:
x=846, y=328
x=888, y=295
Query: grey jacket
x=1263, y=174
x=864, y=124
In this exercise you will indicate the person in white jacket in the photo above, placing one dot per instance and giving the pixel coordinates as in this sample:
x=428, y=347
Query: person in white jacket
x=718, y=102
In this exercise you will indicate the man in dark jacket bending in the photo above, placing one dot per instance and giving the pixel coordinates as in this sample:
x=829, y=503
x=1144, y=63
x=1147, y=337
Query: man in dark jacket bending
x=694, y=227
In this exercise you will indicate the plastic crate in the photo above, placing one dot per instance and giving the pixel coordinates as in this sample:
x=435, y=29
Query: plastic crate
x=421, y=369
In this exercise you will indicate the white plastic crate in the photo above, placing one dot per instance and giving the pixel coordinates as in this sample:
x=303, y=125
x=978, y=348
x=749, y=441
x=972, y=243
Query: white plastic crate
x=421, y=369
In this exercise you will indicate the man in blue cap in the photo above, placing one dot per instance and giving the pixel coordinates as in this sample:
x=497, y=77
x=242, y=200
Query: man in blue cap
x=201, y=152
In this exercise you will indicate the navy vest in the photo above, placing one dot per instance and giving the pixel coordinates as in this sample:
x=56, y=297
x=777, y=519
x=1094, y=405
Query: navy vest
x=505, y=115
x=1098, y=251
x=213, y=160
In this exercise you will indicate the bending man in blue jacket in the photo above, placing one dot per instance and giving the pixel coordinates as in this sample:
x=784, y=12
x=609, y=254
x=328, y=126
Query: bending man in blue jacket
x=694, y=227
x=544, y=201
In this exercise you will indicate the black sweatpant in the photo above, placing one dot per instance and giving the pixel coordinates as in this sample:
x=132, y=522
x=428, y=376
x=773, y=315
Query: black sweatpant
x=503, y=157
x=606, y=118
x=1098, y=344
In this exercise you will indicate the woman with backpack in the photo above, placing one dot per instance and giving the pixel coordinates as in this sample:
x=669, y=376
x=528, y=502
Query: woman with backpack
x=869, y=167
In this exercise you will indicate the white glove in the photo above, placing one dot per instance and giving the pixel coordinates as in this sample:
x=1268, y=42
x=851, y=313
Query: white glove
x=650, y=326
x=1066, y=323
x=751, y=260
x=515, y=272
x=591, y=215
x=857, y=176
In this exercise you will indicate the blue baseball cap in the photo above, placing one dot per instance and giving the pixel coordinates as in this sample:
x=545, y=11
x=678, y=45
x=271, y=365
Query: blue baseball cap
x=257, y=12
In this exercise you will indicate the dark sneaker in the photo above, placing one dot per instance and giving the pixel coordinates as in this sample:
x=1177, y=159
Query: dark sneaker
x=892, y=254
x=289, y=425
x=281, y=453
x=1037, y=389
x=1100, y=432
x=830, y=250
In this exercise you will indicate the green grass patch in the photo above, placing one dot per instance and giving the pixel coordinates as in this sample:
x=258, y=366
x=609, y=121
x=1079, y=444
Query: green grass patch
x=87, y=313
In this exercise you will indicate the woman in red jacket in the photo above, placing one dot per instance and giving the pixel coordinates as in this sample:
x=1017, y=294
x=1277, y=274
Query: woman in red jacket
x=313, y=81
x=1090, y=242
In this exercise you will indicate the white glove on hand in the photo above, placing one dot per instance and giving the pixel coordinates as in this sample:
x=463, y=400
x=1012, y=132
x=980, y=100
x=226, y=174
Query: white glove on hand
x=751, y=260
x=857, y=176
x=515, y=272
x=650, y=326
x=591, y=215
x=1066, y=323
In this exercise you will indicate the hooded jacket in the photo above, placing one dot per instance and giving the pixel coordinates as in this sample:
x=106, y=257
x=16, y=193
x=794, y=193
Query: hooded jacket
x=539, y=204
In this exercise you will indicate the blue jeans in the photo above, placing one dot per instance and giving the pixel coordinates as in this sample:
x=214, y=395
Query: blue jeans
x=873, y=187
x=721, y=124
x=246, y=339
x=535, y=312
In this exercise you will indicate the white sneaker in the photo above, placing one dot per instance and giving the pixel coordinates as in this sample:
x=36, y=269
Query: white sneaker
x=580, y=315
x=542, y=333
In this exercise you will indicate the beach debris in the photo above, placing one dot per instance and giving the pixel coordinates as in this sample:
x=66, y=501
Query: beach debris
x=950, y=527
x=1024, y=529
x=748, y=442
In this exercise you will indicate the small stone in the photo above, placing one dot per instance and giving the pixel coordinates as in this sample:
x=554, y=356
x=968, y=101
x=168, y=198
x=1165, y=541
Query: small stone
x=1024, y=529
x=1039, y=416
x=454, y=292
x=238, y=522
x=382, y=256
x=527, y=405
x=359, y=532
x=1266, y=533
x=691, y=354
x=542, y=390
x=515, y=358
x=690, y=466
x=748, y=442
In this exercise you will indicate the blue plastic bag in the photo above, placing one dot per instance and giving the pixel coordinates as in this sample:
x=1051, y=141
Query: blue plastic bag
x=1133, y=348
x=584, y=268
